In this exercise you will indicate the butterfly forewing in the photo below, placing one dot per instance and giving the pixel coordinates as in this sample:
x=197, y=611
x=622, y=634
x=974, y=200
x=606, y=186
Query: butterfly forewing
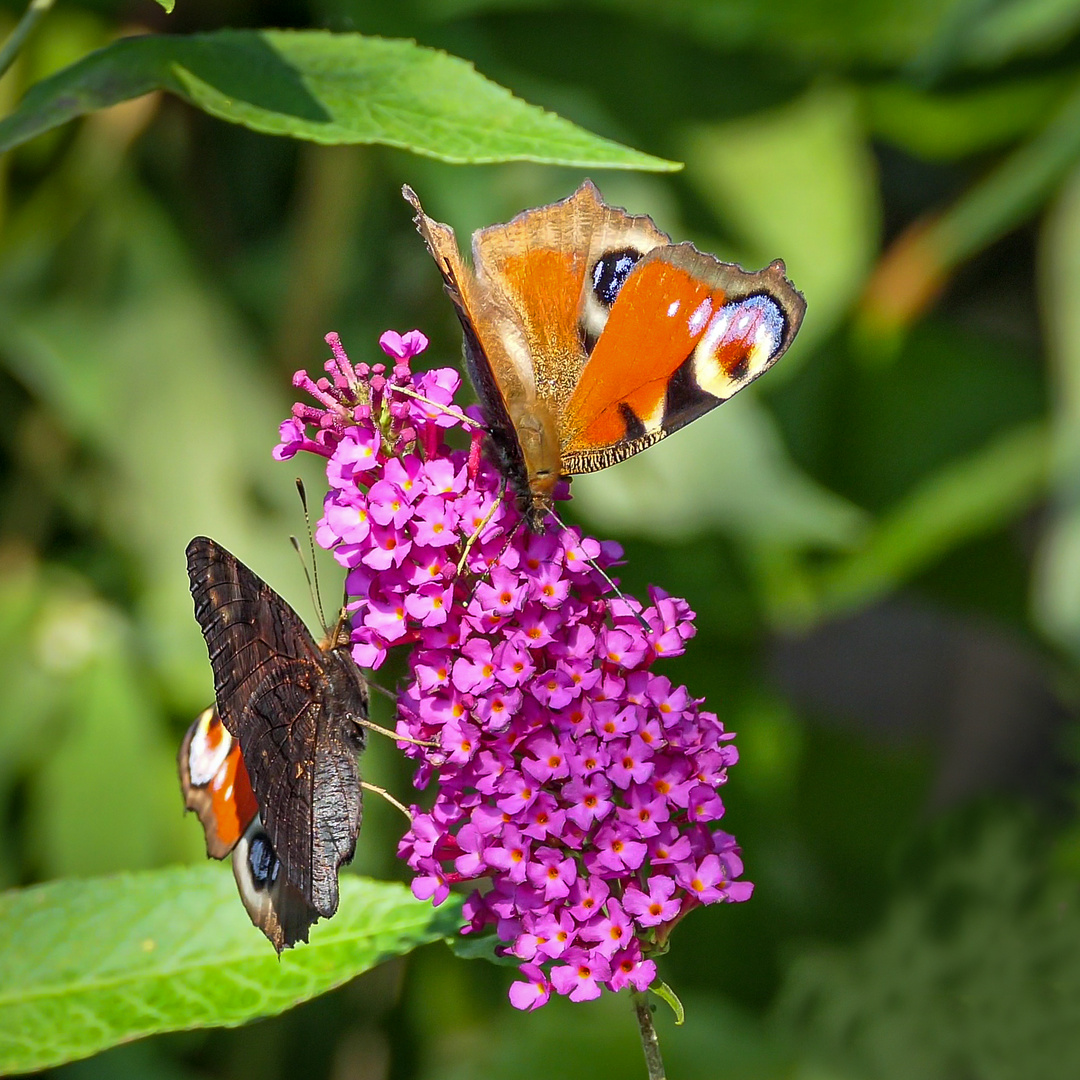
x=293, y=708
x=685, y=333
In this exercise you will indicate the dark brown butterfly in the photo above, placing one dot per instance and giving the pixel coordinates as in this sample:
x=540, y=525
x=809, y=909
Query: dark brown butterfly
x=291, y=719
x=589, y=335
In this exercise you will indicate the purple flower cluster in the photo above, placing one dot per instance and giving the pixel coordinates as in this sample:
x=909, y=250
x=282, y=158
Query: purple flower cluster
x=578, y=786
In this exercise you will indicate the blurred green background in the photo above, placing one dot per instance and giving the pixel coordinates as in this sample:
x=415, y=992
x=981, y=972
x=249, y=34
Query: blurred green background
x=881, y=539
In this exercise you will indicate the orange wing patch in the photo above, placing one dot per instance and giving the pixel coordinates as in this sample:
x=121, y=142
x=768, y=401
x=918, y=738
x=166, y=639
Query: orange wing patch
x=660, y=314
x=215, y=783
x=545, y=286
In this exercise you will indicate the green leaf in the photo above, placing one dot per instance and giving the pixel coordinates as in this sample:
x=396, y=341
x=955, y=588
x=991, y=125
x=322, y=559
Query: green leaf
x=1056, y=583
x=671, y=999
x=797, y=183
x=85, y=965
x=329, y=88
x=481, y=947
x=963, y=500
x=168, y=5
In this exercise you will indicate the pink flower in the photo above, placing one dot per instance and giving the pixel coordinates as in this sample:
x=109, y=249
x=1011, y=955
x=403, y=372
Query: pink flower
x=654, y=906
x=403, y=346
x=533, y=992
x=575, y=786
x=580, y=977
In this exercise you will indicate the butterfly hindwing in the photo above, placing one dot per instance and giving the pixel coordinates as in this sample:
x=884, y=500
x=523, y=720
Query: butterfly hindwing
x=305, y=774
x=499, y=382
x=274, y=904
x=294, y=709
x=215, y=784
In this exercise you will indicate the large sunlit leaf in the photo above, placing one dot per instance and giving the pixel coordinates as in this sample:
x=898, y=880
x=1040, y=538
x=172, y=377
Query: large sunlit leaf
x=88, y=964
x=329, y=88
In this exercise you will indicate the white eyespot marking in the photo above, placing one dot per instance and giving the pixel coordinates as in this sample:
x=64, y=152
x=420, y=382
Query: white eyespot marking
x=673, y=308
x=739, y=342
x=204, y=759
x=700, y=316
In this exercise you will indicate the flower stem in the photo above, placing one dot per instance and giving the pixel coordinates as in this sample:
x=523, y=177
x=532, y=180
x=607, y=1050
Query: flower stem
x=32, y=16
x=649, y=1043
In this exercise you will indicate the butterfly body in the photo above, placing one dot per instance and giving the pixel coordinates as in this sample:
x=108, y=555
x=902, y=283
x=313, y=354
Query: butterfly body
x=293, y=710
x=589, y=336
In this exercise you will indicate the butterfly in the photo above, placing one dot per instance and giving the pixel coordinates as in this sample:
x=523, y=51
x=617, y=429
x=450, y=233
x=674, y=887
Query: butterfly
x=589, y=335
x=271, y=769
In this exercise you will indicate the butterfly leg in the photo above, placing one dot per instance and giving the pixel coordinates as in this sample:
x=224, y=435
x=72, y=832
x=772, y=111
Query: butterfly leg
x=393, y=734
x=607, y=578
x=387, y=796
x=457, y=414
x=483, y=525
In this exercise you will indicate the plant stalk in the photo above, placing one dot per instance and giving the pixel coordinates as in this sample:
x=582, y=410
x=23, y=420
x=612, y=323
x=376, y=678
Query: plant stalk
x=649, y=1043
x=32, y=16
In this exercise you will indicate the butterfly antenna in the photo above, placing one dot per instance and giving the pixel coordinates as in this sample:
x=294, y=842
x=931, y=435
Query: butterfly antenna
x=316, y=595
x=457, y=414
x=607, y=577
x=387, y=796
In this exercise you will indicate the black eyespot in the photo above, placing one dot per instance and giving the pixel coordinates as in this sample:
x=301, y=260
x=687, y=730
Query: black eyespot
x=263, y=862
x=610, y=272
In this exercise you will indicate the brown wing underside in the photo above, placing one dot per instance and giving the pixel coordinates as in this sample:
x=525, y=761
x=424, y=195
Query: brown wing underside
x=305, y=777
x=272, y=694
x=496, y=380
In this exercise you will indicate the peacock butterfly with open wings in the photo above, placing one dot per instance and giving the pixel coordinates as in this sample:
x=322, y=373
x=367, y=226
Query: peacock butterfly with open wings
x=589, y=335
x=271, y=769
